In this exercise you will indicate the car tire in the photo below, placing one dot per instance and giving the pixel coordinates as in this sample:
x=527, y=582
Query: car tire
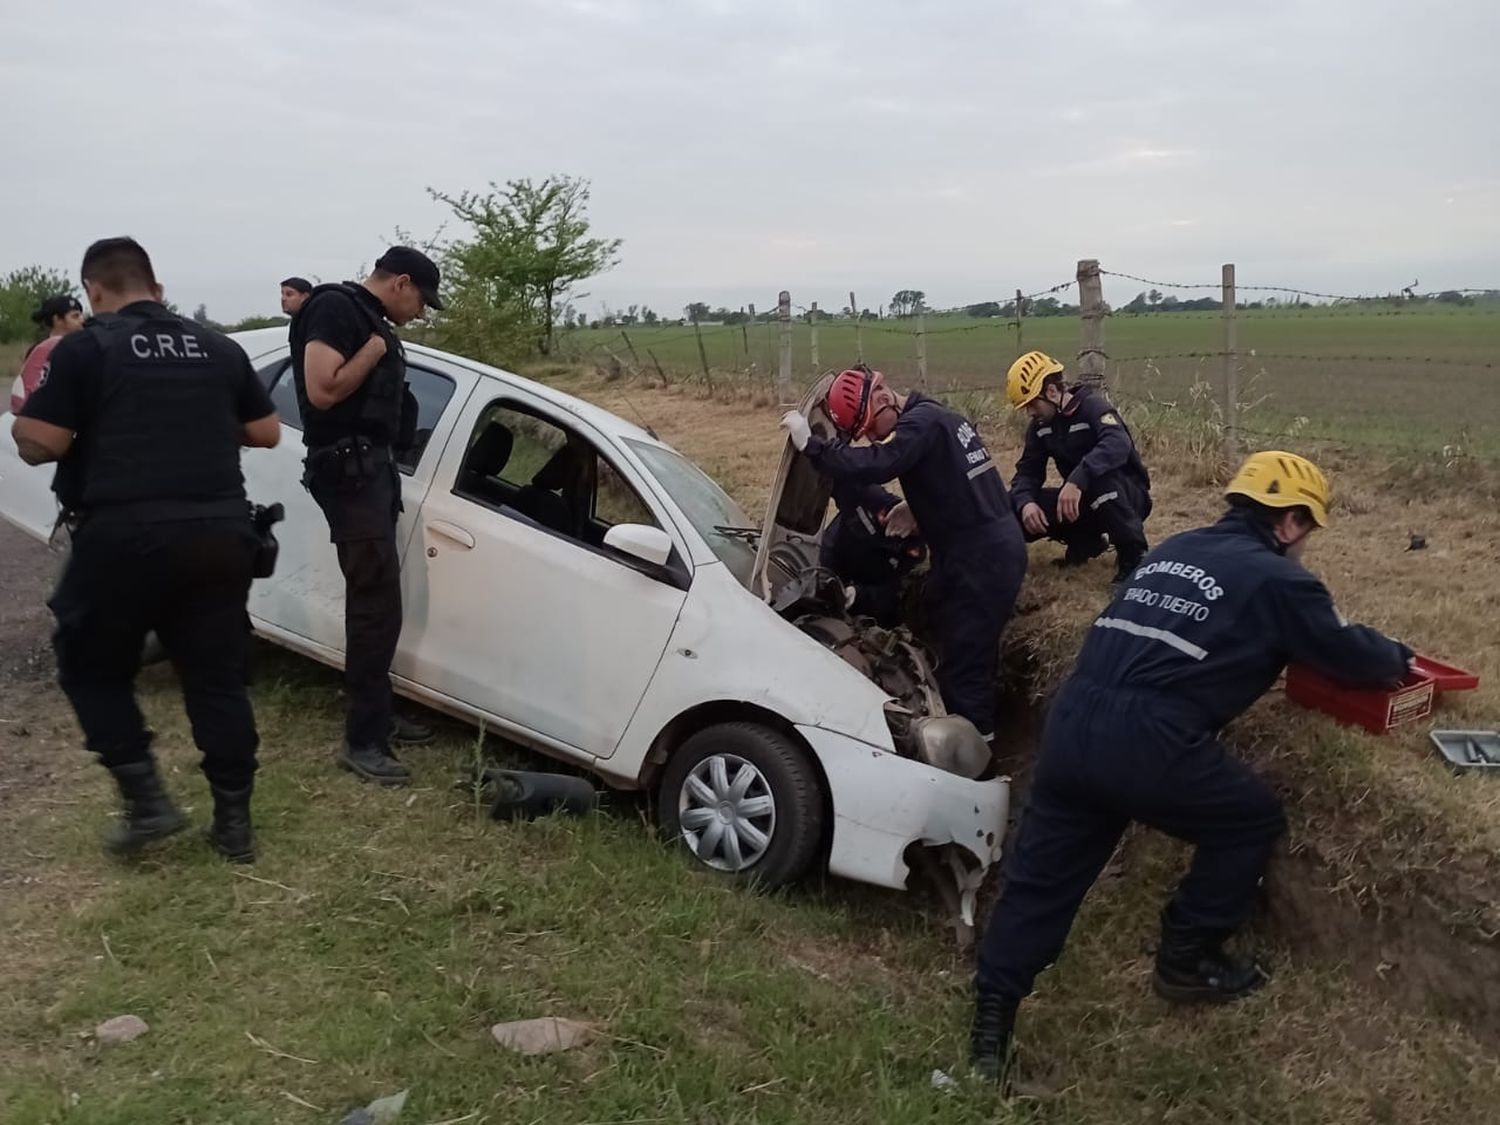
x=743, y=799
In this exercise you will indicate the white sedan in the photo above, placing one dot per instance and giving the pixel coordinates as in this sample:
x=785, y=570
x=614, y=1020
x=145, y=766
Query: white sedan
x=572, y=581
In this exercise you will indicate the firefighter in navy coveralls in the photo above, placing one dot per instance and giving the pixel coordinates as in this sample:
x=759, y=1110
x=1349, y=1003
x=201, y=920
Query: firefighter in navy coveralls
x=869, y=553
x=956, y=496
x=1193, y=637
x=1105, y=490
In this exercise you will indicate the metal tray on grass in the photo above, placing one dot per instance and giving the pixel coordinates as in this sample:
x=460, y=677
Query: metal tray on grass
x=1469, y=749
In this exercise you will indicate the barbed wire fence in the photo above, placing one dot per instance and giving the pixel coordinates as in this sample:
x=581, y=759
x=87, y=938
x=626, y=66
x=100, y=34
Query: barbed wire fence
x=1261, y=362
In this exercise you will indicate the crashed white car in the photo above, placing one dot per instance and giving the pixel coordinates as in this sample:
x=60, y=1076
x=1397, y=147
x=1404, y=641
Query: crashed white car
x=572, y=581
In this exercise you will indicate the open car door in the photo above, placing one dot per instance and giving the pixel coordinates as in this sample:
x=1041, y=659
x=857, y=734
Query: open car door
x=26, y=498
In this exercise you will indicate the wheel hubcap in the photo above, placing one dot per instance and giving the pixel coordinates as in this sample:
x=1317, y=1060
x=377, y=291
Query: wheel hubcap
x=726, y=812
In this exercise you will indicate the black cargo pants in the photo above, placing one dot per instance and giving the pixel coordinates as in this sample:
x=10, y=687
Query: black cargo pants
x=361, y=516
x=188, y=580
x=1114, y=505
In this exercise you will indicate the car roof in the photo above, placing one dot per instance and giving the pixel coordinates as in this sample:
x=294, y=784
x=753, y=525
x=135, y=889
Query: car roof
x=260, y=341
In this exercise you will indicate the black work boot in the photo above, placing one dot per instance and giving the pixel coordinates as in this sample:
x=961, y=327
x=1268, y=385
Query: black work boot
x=1079, y=554
x=230, y=834
x=1192, y=967
x=373, y=763
x=989, y=1039
x=149, y=812
x=409, y=732
x=1125, y=567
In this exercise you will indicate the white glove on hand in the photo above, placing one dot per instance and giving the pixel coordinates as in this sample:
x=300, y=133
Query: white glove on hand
x=796, y=428
x=899, y=522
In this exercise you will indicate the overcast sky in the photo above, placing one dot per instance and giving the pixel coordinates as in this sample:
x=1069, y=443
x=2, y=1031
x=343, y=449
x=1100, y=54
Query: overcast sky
x=962, y=147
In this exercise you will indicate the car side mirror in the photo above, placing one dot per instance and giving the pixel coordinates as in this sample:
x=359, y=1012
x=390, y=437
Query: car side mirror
x=640, y=541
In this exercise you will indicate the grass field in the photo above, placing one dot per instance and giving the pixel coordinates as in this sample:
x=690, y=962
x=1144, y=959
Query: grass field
x=1326, y=373
x=383, y=932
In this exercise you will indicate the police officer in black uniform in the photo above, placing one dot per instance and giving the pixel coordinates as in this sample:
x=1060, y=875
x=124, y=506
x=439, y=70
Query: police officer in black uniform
x=870, y=558
x=145, y=413
x=960, y=506
x=350, y=377
x=1106, y=489
x=1193, y=637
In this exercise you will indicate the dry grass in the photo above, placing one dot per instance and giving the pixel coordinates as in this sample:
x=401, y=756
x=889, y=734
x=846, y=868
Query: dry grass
x=394, y=927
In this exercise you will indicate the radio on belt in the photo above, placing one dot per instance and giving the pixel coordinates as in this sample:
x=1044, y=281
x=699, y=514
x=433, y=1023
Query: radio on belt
x=1378, y=711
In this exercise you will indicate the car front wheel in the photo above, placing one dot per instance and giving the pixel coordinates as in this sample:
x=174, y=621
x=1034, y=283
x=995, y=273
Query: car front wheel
x=744, y=799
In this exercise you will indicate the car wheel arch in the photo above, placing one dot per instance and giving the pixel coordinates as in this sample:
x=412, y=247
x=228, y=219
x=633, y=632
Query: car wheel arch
x=714, y=713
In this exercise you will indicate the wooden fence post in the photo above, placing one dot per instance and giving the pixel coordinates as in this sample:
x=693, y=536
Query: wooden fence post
x=702, y=355
x=784, y=367
x=1020, y=314
x=812, y=321
x=922, y=349
x=1231, y=369
x=859, y=334
x=633, y=354
x=745, y=334
x=1091, y=309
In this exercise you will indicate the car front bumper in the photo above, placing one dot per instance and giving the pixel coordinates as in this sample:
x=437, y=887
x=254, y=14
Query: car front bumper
x=883, y=803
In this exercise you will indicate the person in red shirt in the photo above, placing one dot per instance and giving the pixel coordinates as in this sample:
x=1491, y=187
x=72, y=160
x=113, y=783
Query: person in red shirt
x=59, y=315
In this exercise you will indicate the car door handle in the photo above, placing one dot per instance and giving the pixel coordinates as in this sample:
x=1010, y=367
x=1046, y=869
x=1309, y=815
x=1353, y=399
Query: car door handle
x=452, y=531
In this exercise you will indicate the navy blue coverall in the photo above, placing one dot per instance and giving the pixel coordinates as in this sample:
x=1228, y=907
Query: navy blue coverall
x=978, y=554
x=1196, y=634
x=1093, y=449
x=855, y=547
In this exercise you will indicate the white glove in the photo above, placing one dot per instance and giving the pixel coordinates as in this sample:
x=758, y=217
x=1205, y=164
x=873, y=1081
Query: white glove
x=899, y=522
x=796, y=428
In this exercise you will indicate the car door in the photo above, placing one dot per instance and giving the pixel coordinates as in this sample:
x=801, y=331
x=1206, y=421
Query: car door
x=306, y=596
x=514, y=605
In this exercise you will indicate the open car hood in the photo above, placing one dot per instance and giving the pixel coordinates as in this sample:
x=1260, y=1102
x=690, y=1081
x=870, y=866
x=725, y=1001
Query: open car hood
x=797, y=507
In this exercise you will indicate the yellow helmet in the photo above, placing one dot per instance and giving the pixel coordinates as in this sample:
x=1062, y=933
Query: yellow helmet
x=1283, y=480
x=1024, y=381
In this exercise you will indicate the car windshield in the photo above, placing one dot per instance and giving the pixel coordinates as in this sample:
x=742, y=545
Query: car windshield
x=716, y=517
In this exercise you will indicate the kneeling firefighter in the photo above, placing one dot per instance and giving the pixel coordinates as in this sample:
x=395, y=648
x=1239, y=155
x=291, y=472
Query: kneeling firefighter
x=868, y=553
x=1106, y=489
x=1193, y=637
x=959, y=503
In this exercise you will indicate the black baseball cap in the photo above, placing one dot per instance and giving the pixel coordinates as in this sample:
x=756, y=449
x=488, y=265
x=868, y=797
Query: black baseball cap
x=300, y=284
x=59, y=304
x=417, y=266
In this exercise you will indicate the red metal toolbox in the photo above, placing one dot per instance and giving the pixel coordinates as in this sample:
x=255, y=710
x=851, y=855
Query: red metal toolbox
x=1445, y=676
x=1376, y=710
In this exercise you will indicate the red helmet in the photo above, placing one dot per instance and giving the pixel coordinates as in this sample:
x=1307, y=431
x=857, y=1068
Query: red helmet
x=848, y=400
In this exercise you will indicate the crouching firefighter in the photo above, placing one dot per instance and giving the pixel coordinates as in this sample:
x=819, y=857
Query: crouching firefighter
x=145, y=413
x=349, y=372
x=870, y=553
x=1193, y=637
x=959, y=504
x=1105, y=489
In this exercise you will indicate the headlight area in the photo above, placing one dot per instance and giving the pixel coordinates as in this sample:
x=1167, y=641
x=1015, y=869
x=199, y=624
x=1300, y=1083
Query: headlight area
x=883, y=803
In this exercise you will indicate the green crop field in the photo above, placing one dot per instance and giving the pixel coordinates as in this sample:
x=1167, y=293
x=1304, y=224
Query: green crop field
x=1409, y=381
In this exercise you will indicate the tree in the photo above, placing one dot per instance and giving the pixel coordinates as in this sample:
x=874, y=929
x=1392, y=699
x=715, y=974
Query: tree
x=1154, y=297
x=908, y=302
x=530, y=245
x=21, y=291
x=1137, y=304
x=983, y=308
x=696, y=311
x=648, y=316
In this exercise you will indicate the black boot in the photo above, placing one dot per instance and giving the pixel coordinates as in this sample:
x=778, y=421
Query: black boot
x=1125, y=567
x=1192, y=967
x=149, y=812
x=230, y=834
x=989, y=1039
x=1082, y=552
x=373, y=763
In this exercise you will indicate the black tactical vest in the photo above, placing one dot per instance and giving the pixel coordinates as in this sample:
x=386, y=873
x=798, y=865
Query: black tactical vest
x=374, y=410
x=162, y=439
